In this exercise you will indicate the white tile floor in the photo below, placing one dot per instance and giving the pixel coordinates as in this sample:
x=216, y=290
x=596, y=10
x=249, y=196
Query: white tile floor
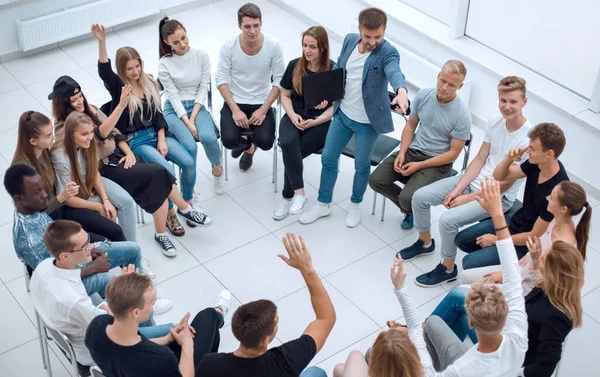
x=239, y=252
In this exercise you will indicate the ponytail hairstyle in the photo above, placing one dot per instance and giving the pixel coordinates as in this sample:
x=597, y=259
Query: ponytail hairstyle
x=166, y=27
x=301, y=69
x=563, y=279
x=145, y=81
x=29, y=128
x=572, y=196
x=86, y=188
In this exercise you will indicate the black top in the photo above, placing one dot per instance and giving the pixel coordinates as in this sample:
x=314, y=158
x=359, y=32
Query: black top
x=143, y=359
x=142, y=118
x=287, y=360
x=534, y=200
x=298, y=99
x=548, y=329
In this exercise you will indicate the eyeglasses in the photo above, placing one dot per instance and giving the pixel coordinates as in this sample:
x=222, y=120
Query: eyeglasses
x=85, y=247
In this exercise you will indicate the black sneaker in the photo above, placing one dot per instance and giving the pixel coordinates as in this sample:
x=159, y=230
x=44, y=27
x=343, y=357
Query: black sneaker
x=166, y=245
x=416, y=250
x=196, y=217
x=436, y=277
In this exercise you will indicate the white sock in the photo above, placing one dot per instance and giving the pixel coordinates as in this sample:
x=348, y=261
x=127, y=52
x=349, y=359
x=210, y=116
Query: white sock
x=161, y=234
x=426, y=246
x=322, y=204
x=186, y=210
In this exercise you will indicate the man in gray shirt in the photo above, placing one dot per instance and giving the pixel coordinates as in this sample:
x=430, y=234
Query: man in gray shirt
x=427, y=155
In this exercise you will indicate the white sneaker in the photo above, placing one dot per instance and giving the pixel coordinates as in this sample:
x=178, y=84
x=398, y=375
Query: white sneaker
x=162, y=305
x=283, y=209
x=298, y=204
x=146, y=267
x=223, y=301
x=318, y=210
x=218, y=184
x=353, y=215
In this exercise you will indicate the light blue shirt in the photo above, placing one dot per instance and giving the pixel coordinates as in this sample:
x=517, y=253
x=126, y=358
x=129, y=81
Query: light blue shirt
x=28, y=237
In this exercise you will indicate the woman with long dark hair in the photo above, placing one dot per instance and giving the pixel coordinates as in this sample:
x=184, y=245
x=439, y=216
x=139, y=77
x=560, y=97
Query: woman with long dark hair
x=184, y=72
x=302, y=131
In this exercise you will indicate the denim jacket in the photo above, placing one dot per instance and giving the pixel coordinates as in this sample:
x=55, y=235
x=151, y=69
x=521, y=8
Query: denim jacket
x=382, y=65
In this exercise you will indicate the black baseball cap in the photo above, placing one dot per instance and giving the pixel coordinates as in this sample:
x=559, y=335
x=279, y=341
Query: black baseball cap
x=65, y=86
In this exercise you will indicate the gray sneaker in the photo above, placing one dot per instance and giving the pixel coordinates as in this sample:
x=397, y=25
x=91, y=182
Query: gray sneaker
x=317, y=211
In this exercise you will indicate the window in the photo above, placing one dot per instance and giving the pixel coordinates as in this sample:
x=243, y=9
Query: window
x=441, y=10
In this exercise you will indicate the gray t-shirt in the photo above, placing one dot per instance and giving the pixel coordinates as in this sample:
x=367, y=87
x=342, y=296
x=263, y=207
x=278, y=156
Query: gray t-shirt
x=439, y=122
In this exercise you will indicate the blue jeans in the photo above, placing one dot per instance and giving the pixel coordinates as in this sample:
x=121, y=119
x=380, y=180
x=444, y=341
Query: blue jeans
x=125, y=206
x=466, y=240
x=144, y=142
x=204, y=126
x=340, y=132
x=452, y=311
x=120, y=254
x=155, y=331
x=313, y=372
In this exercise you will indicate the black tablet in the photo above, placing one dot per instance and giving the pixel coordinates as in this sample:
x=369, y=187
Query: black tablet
x=321, y=86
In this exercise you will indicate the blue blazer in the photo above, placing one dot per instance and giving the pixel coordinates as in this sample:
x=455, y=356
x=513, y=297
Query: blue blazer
x=382, y=65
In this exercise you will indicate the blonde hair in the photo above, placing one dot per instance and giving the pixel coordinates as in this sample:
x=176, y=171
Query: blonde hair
x=455, y=66
x=563, y=278
x=146, y=82
x=394, y=354
x=512, y=83
x=86, y=187
x=486, y=309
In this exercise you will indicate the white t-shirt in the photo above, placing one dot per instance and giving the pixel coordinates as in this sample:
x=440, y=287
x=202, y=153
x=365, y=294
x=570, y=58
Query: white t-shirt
x=352, y=104
x=185, y=77
x=250, y=78
x=501, y=142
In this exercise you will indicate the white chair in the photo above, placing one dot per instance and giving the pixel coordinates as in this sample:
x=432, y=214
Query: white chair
x=65, y=346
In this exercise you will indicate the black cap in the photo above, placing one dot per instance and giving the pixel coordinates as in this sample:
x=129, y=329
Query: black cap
x=65, y=86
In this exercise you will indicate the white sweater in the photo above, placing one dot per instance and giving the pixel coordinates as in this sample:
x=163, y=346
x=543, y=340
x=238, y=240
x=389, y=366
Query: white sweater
x=249, y=77
x=508, y=358
x=185, y=78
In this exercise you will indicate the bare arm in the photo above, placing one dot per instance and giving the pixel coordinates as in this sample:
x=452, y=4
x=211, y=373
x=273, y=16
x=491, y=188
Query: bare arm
x=507, y=170
x=228, y=97
x=109, y=124
x=325, y=116
x=408, y=133
x=456, y=146
x=100, y=33
x=273, y=94
x=539, y=228
x=286, y=102
x=474, y=167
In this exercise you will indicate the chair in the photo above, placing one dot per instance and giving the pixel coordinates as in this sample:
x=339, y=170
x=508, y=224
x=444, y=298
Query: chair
x=96, y=372
x=27, y=272
x=65, y=346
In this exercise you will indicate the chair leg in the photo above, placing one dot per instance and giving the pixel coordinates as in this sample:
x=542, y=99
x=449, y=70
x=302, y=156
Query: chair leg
x=225, y=162
x=274, y=167
x=137, y=213
x=383, y=208
x=43, y=349
x=374, y=202
x=142, y=215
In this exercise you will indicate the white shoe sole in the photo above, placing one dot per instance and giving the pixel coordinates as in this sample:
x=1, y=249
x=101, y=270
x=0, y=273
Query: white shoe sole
x=315, y=219
x=292, y=212
x=275, y=217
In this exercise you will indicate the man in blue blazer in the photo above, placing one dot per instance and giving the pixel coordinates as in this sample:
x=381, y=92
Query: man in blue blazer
x=370, y=62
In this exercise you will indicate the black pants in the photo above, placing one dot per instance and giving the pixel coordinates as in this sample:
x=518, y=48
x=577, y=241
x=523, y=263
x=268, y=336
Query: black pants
x=296, y=145
x=262, y=136
x=92, y=222
x=207, y=324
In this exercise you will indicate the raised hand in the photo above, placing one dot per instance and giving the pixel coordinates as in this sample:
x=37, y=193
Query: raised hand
x=398, y=274
x=298, y=255
x=492, y=198
x=125, y=95
x=516, y=154
x=535, y=251
x=99, y=32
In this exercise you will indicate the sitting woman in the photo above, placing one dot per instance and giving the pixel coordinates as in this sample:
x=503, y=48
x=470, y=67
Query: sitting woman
x=143, y=124
x=148, y=183
x=35, y=137
x=184, y=71
x=302, y=131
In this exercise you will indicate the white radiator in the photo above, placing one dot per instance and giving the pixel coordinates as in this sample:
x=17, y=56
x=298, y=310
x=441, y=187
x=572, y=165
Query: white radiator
x=72, y=22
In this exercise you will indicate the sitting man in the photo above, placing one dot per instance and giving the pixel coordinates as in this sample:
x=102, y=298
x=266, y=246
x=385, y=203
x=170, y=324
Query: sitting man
x=427, y=155
x=504, y=132
x=58, y=294
x=248, y=74
x=543, y=171
x=119, y=347
x=255, y=325
x=26, y=187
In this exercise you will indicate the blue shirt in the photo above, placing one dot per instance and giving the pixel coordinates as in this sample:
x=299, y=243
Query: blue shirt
x=28, y=237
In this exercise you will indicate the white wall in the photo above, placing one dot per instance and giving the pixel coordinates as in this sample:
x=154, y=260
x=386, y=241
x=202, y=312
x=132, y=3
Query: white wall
x=556, y=38
x=441, y=10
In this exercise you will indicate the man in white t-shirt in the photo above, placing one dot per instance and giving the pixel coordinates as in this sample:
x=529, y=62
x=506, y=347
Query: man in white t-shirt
x=248, y=74
x=504, y=131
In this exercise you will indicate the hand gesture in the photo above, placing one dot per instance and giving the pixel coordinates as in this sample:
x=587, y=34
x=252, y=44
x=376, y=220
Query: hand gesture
x=492, y=198
x=486, y=240
x=162, y=147
x=101, y=264
x=308, y=123
x=398, y=162
x=450, y=197
x=322, y=105
x=535, y=251
x=182, y=333
x=516, y=154
x=71, y=190
x=129, y=160
x=410, y=168
x=459, y=201
x=125, y=95
x=258, y=116
x=110, y=212
x=99, y=32
x=130, y=269
x=401, y=101
x=493, y=277
x=95, y=253
x=398, y=274
x=299, y=257
x=297, y=121
x=240, y=119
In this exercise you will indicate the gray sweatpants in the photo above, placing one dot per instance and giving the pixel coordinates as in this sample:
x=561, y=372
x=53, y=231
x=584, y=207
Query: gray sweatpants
x=443, y=345
x=451, y=220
